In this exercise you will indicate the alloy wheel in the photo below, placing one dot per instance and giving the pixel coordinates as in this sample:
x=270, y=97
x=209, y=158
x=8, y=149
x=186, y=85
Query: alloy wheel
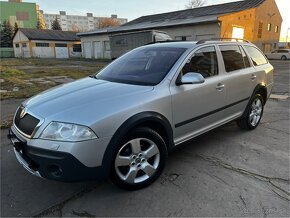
x=256, y=112
x=137, y=160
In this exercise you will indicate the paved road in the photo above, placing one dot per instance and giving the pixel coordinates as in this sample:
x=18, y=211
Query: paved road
x=281, y=77
x=227, y=172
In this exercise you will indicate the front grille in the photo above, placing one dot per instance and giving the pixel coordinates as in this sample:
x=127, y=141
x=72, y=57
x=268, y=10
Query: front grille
x=27, y=123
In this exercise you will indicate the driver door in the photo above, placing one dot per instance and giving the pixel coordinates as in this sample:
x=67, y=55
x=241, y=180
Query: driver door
x=198, y=107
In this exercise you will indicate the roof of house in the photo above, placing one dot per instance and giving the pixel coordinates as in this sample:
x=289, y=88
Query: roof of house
x=53, y=35
x=205, y=14
x=199, y=12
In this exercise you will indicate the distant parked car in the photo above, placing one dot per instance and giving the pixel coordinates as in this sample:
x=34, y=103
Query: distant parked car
x=282, y=54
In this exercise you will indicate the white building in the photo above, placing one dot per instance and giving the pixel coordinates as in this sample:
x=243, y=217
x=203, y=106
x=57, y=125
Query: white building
x=78, y=23
x=37, y=43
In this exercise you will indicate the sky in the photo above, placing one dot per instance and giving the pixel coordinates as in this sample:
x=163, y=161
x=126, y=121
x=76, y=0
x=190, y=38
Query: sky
x=132, y=9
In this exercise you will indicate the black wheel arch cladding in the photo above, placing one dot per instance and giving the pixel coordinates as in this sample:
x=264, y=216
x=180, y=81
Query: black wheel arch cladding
x=136, y=121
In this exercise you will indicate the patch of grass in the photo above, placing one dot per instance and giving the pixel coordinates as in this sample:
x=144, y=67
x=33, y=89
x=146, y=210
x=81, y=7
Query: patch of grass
x=21, y=74
x=19, y=62
x=7, y=123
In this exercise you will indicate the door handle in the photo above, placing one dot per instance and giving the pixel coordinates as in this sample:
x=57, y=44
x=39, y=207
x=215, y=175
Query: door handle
x=253, y=77
x=220, y=87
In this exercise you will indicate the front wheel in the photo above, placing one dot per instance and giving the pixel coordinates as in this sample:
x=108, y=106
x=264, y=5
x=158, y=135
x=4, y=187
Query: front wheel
x=254, y=113
x=139, y=159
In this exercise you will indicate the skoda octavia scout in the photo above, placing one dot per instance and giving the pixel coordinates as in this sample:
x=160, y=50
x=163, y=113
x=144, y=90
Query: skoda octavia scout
x=122, y=122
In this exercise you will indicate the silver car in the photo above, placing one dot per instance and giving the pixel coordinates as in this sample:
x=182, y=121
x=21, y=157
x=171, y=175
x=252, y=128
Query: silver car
x=122, y=122
x=282, y=54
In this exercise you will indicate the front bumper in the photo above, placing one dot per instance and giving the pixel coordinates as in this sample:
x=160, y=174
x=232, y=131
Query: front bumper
x=55, y=165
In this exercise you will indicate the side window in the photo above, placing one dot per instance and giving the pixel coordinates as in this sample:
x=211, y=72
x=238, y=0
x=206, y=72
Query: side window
x=204, y=61
x=233, y=58
x=257, y=57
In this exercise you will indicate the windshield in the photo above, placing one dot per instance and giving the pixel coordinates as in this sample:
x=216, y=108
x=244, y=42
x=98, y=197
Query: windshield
x=146, y=66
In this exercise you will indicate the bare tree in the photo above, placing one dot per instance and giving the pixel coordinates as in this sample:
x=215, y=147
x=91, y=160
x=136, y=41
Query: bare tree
x=108, y=22
x=195, y=4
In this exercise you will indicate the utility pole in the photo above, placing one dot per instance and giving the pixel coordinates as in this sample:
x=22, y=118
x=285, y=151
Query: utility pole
x=287, y=35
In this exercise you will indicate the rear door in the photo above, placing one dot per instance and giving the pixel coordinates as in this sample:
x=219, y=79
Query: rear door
x=240, y=79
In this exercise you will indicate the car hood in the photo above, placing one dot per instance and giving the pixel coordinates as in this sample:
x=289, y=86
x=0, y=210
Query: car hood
x=88, y=94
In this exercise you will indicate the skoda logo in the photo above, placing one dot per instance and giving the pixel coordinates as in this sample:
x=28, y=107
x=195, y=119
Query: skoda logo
x=23, y=113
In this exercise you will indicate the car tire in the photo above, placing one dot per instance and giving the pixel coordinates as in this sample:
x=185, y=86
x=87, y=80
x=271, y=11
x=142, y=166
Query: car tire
x=139, y=159
x=283, y=58
x=253, y=114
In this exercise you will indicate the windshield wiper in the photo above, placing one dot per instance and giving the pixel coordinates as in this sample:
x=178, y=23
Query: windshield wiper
x=93, y=76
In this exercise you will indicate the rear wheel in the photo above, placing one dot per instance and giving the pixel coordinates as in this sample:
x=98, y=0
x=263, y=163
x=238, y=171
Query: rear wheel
x=254, y=113
x=139, y=159
x=284, y=58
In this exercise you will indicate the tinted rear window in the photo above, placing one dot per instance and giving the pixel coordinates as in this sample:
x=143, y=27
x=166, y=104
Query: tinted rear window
x=144, y=66
x=283, y=51
x=257, y=57
x=233, y=58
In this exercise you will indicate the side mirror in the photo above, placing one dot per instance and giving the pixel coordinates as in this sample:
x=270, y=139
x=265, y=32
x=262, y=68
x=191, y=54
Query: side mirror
x=191, y=78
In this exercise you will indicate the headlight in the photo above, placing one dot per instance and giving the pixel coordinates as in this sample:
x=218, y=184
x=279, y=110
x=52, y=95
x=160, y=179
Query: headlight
x=67, y=132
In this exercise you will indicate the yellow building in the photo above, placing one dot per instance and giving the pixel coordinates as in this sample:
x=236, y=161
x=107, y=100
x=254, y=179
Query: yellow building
x=46, y=44
x=40, y=18
x=261, y=25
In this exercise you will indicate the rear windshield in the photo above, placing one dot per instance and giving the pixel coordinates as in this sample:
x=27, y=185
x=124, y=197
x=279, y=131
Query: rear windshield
x=145, y=66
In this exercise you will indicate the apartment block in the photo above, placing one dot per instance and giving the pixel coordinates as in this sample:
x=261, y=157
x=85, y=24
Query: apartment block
x=79, y=23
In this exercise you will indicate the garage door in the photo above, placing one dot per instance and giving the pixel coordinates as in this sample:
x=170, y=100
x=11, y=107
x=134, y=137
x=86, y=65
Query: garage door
x=87, y=49
x=98, y=50
x=61, y=51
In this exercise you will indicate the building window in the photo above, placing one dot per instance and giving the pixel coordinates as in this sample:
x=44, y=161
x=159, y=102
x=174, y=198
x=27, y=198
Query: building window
x=276, y=29
x=77, y=48
x=269, y=28
x=17, y=45
x=63, y=45
x=260, y=30
x=42, y=44
x=24, y=45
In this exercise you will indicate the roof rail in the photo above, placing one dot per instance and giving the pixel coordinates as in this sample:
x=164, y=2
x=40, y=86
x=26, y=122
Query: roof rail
x=223, y=39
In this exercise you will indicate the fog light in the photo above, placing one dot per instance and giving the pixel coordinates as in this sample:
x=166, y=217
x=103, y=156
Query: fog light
x=55, y=171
